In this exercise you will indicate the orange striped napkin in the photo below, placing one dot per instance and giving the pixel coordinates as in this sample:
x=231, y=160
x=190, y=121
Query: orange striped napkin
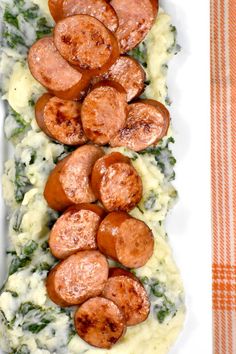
x=223, y=159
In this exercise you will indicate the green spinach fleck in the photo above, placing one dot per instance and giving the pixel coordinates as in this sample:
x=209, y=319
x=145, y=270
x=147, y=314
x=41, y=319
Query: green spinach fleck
x=29, y=248
x=22, y=183
x=42, y=267
x=43, y=28
x=35, y=318
x=31, y=13
x=18, y=263
x=12, y=39
x=13, y=293
x=22, y=350
x=10, y=18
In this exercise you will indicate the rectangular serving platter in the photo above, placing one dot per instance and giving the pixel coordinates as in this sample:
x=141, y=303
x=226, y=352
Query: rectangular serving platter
x=189, y=223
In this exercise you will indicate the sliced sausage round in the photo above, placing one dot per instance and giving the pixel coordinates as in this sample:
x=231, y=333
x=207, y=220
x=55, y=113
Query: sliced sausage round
x=117, y=272
x=78, y=278
x=129, y=73
x=55, y=7
x=101, y=166
x=130, y=296
x=147, y=123
x=53, y=72
x=136, y=18
x=117, y=184
x=60, y=119
x=104, y=112
x=69, y=182
x=86, y=43
x=76, y=230
x=100, y=322
x=39, y=112
x=125, y=239
x=100, y=9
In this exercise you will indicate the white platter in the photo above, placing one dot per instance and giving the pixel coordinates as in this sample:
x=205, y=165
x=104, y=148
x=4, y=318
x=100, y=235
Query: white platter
x=189, y=223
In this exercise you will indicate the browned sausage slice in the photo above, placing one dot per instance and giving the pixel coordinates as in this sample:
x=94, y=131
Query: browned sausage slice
x=69, y=182
x=117, y=184
x=100, y=168
x=100, y=322
x=147, y=123
x=60, y=119
x=76, y=230
x=78, y=278
x=104, y=112
x=125, y=239
x=117, y=272
x=86, y=43
x=53, y=72
x=136, y=18
x=129, y=73
x=55, y=7
x=130, y=296
x=99, y=9
x=39, y=112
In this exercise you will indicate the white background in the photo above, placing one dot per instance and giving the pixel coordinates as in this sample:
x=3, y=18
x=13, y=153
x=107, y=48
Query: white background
x=189, y=222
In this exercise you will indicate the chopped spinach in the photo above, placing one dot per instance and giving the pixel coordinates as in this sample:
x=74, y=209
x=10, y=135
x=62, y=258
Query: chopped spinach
x=18, y=263
x=163, y=308
x=17, y=219
x=34, y=317
x=22, y=350
x=31, y=13
x=29, y=248
x=12, y=39
x=37, y=327
x=140, y=54
x=31, y=102
x=13, y=293
x=174, y=48
x=33, y=157
x=27, y=307
x=18, y=123
x=45, y=246
x=150, y=202
x=166, y=310
x=5, y=320
x=42, y=267
x=10, y=18
x=22, y=182
x=43, y=28
x=164, y=158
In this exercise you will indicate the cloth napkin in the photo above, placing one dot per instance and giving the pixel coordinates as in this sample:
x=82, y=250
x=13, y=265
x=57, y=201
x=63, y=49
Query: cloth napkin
x=223, y=169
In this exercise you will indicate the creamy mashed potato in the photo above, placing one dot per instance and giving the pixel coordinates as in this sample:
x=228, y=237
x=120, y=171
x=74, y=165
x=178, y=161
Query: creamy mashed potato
x=30, y=322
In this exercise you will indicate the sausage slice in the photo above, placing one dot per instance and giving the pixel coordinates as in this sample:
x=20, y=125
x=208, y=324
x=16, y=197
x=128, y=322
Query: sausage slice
x=69, y=182
x=53, y=72
x=39, y=112
x=100, y=322
x=78, y=278
x=101, y=166
x=100, y=9
x=60, y=119
x=136, y=18
x=76, y=230
x=130, y=296
x=125, y=239
x=117, y=272
x=129, y=73
x=86, y=43
x=147, y=123
x=116, y=183
x=104, y=112
x=55, y=7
